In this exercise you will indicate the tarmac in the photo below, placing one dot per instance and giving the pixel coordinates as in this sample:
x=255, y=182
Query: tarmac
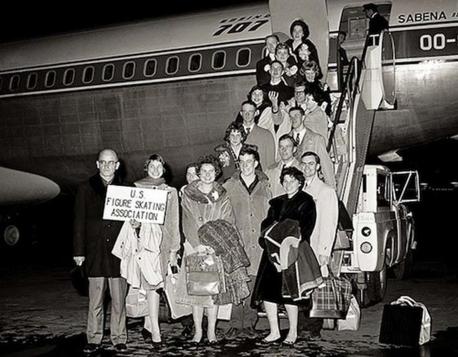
x=41, y=314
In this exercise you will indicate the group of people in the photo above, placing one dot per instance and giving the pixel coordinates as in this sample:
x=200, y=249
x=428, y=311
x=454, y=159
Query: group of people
x=264, y=202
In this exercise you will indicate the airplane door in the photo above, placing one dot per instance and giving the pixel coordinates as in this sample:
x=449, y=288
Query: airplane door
x=314, y=13
x=389, y=68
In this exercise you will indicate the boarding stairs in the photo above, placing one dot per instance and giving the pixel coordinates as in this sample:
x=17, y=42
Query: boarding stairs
x=362, y=95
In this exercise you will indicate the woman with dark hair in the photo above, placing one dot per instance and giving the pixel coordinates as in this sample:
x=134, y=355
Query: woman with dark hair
x=299, y=32
x=228, y=152
x=146, y=249
x=292, y=212
x=207, y=220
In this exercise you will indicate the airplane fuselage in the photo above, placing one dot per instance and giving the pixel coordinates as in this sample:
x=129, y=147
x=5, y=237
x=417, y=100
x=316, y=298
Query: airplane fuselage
x=63, y=99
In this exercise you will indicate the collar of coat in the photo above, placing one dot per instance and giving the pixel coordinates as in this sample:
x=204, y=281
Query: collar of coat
x=277, y=202
x=98, y=185
x=215, y=195
x=261, y=175
x=149, y=181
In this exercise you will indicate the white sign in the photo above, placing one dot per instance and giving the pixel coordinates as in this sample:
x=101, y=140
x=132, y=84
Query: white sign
x=142, y=204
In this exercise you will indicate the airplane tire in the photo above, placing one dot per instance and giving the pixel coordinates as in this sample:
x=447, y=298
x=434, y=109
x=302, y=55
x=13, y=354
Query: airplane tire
x=11, y=235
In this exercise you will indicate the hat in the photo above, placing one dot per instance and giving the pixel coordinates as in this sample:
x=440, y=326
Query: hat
x=370, y=6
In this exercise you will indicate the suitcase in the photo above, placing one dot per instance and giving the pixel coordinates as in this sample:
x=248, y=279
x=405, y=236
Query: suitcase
x=405, y=322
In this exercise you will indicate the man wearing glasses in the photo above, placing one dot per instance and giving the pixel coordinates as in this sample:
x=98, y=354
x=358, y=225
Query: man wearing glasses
x=93, y=240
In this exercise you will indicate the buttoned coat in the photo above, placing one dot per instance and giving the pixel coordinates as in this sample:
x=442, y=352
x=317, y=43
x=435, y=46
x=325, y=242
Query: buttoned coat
x=94, y=237
x=316, y=143
x=199, y=208
x=264, y=140
x=249, y=209
x=327, y=213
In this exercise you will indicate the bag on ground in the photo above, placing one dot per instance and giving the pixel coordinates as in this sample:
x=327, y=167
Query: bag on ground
x=405, y=322
x=351, y=321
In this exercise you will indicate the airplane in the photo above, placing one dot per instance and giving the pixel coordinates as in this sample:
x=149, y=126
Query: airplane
x=171, y=85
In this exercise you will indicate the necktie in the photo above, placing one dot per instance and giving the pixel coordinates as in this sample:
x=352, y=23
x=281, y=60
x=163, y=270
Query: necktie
x=298, y=137
x=247, y=131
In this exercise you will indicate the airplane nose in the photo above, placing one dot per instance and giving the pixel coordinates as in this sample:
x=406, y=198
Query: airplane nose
x=18, y=187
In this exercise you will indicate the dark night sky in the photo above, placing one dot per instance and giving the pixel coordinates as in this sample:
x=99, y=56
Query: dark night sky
x=20, y=21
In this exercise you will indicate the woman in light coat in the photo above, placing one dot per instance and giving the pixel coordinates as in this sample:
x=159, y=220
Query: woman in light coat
x=204, y=200
x=146, y=249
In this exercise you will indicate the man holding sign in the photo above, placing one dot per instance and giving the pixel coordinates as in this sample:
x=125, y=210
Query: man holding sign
x=93, y=240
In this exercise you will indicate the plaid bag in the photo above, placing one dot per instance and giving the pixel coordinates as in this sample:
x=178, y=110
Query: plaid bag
x=332, y=300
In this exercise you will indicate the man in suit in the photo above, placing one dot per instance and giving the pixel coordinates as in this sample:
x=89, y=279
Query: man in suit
x=263, y=65
x=327, y=209
x=324, y=233
x=258, y=136
x=93, y=240
x=287, y=147
x=278, y=84
x=377, y=23
x=307, y=140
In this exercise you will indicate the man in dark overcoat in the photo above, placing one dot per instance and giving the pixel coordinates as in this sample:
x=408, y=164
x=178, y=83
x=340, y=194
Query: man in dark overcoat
x=377, y=23
x=93, y=240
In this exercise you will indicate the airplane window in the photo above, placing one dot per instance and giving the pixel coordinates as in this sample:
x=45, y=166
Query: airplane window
x=69, y=76
x=219, y=60
x=150, y=68
x=243, y=57
x=128, y=70
x=172, y=65
x=32, y=81
x=195, y=62
x=14, y=82
x=88, y=74
x=50, y=79
x=108, y=72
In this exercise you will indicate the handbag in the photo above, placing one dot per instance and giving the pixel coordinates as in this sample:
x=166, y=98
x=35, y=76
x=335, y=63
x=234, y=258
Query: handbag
x=332, y=299
x=136, y=303
x=171, y=292
x=204, y=274
x=405, y=322
x=351, y=321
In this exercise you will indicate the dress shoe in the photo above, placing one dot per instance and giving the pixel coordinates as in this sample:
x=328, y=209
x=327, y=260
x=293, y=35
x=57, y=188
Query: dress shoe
x=121, y=347
x=266, y=343
x=288, y=343
x=156, y=345
x=91, y=348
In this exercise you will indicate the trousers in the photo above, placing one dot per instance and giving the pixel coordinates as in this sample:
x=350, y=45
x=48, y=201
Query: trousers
x=96, y=317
